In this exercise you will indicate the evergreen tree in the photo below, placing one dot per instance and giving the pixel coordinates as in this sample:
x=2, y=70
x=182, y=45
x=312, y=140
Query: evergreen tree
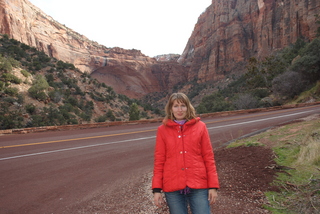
x=134, y=113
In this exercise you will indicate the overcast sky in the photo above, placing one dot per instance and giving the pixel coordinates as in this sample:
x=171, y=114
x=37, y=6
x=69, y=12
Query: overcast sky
x=152, y=26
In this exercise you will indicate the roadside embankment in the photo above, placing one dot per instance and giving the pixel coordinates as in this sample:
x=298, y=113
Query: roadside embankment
x=156, y=120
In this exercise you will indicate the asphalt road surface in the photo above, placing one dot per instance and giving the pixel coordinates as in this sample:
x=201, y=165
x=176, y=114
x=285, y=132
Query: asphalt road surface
x=48, y=172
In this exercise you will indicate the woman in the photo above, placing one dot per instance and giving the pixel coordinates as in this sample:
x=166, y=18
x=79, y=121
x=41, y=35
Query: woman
x=184, y=166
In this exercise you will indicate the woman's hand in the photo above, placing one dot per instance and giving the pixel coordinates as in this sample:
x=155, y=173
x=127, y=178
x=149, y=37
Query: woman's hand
x=213, y=195
x=158, y=199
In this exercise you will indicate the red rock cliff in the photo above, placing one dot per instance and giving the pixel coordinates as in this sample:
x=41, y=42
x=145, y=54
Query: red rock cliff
x=229, y=32
x=129, y=72
x=226, y=35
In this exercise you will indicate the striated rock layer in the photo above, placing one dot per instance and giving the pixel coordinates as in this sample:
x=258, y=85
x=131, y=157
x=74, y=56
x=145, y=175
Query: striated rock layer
x=128, y=72
x=227, y=34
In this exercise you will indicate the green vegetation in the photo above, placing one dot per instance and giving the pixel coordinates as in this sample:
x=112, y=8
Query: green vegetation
x=38, y=88
x=134, y=113
x=297, y=149
x=55, y=92
x=61, y=94
x=273, y=81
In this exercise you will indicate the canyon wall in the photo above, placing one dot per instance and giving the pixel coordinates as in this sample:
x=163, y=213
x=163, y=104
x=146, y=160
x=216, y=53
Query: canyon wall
x=229, y=32
x=226, y=35
x=128, y=72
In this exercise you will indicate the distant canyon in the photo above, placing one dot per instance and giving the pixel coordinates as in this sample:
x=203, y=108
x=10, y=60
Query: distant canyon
x=226, y=35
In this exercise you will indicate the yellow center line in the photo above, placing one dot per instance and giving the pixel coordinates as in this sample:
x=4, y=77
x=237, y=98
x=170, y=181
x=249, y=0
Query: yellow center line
x=101, y=136
x=75, y=139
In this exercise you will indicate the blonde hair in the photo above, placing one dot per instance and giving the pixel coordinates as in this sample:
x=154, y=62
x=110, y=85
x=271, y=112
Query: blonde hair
x=181, y=98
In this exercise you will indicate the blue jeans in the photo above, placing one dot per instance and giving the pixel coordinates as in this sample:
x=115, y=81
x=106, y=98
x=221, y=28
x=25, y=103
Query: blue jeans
x=197, y=200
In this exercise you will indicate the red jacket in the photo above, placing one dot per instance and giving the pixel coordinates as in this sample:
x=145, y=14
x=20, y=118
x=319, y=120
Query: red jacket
x=184, y=157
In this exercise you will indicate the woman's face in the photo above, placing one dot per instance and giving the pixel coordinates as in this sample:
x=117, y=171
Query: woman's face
x=179, y=110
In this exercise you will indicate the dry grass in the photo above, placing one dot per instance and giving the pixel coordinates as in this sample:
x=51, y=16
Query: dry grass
x=310, y=150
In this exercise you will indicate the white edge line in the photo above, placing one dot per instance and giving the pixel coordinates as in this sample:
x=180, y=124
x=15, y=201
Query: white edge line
x=80, y=147
x=102, y=144
x=254, y=121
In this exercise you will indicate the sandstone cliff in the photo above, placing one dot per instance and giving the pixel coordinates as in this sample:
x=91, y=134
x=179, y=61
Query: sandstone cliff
x=229, y=32
x=128, y=72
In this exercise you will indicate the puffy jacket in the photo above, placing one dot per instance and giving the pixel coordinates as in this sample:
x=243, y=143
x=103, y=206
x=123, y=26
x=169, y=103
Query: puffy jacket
x=184, y=157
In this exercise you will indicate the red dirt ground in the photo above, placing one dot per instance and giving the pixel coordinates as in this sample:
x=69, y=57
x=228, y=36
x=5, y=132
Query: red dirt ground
x=244, y=174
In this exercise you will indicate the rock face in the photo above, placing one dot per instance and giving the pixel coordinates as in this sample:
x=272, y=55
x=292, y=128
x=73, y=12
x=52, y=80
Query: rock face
x=226, y=35
x=128, y=72
x=229, y=32
x=26, y=23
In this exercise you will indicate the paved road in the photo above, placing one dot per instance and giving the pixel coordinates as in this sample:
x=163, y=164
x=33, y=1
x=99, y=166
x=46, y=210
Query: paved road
x=48, y=172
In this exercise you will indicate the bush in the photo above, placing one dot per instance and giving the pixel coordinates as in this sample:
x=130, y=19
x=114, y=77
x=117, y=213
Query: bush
x=260, y=93
x=2, y=84
x=7, y=77
x=7, y=64
x=30, y=108
x=10, y=100
x=134, y=113
x=309, y=62
x=85, y=116
x=25, y=73
x=214, y=103
x=110, y=115
x=102, y=118
x=39, y=86
x=66, y=107
x=36, y=121
x=11, y=91
x=288, y=84
x=55, y=96
x=246, y=101
x=72, y=101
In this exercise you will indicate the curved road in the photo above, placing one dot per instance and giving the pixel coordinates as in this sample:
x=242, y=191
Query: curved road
x=52, y=171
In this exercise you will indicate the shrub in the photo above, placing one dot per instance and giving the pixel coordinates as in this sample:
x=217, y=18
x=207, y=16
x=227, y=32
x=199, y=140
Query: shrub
x=7, y=77
x=246, y=101
x=85, y=116
x=134, y=113
x=288, y=84
x=30, y=108
x=260, y=93
x=67, y=107
x=50, y=78
x=10, y=100
x=110, y=115
x=2, y=84
x=36, y=121
x=72, y=101
x=25, y=73
x=102, y=118
x=21, y=98
x=309, y=62
x=55, y=96
x=214, y=103
x=11, y=91
x=40, y=84
x=6, y=66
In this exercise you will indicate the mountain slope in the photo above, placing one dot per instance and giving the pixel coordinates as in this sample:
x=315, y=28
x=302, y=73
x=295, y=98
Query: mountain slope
x=229, y=32
x=26, y=23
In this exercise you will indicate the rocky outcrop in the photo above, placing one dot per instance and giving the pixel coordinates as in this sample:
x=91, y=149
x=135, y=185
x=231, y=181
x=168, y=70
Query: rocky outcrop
x=28, y=24
x=128, y=72
x=167, y=57
x=229, y=32
x=136, y=78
